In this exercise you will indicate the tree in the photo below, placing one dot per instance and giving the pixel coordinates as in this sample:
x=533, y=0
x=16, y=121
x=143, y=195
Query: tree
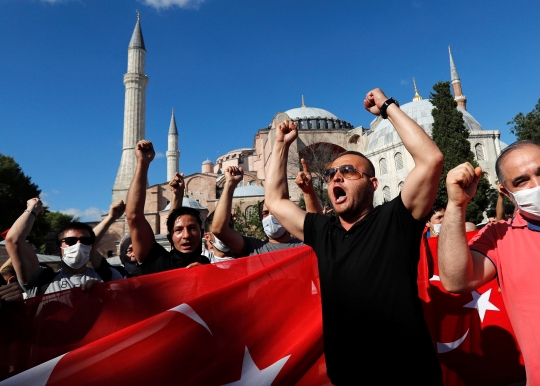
x=527, y=127
x=248, y=223
x=52, y=223
x=451, y=136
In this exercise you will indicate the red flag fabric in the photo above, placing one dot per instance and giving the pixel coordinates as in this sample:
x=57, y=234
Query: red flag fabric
x=249, y=321
x=472, y=333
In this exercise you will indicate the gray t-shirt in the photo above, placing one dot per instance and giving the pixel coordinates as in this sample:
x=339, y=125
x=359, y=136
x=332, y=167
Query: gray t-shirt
x=254, y=246
x=63, y=281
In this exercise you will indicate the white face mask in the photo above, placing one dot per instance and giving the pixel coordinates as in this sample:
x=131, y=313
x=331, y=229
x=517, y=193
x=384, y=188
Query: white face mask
x=272, y=227
x=437, y=228
x=218, y=244
x=528, y=202
x=76, y=255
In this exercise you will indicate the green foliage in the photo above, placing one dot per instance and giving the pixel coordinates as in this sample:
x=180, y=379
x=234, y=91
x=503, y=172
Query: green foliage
x=51, y=222
x=248, y=223
x=451, y=136
x=527, y=127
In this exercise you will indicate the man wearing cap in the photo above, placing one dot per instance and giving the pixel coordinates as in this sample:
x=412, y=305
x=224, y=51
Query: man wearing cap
x=76, y=241
x=373, y=326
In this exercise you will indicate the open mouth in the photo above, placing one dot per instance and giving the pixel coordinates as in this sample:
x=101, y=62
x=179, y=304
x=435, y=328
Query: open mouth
x=339, y=195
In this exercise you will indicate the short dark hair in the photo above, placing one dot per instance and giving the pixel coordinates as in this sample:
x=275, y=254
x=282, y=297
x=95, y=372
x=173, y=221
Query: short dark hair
x=507, y=150
x=437, y=207
x=261, y=206
x=75, y=225
x=371, y=168
x=182, y=211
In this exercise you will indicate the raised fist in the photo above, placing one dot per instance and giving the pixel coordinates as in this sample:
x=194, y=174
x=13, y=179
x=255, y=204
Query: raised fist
x=233, y=175
x=35, y=205
x=177, y=184
x=116, y=210
x=303, y=179
x=287, y=132
x=374, y=100
x=144, y=150
x=461, y=183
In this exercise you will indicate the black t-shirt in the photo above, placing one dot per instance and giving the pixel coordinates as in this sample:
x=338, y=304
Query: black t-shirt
x=159, y=259
x=373, y=324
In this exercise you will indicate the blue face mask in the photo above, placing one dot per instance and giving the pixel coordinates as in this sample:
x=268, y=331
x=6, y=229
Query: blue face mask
x=272, y=227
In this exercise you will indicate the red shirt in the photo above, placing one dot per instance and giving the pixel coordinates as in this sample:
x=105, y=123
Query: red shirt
x=514, y=249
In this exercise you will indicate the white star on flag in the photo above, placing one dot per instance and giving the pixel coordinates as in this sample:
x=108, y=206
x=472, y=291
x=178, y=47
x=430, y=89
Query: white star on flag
x=481, y=303
x=252, y=376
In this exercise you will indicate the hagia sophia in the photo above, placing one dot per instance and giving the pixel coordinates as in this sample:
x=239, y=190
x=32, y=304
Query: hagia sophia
x=317, y=127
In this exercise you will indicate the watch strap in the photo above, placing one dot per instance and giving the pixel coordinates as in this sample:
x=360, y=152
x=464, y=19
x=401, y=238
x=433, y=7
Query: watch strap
x=385, y=105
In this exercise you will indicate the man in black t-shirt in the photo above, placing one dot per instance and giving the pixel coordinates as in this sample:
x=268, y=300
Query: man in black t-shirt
x=373, y=326
x=183, y=225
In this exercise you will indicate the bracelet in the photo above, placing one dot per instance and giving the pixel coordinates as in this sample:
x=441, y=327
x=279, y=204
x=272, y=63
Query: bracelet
x=29, y=211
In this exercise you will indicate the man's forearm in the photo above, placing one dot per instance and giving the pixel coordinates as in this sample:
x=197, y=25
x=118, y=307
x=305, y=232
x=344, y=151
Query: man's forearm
x=456, y=268
x=222, y=214
x=499, y=210
x=137, y=192
x=312, y=202
x=23, y=256
x=176, y=200
x=414, y=138
x=276, y=187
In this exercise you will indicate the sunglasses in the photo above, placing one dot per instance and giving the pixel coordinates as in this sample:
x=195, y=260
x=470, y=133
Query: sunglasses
x=347, y=171
x=73, y=240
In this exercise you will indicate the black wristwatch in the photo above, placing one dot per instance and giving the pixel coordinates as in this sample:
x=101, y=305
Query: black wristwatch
x=385, y=105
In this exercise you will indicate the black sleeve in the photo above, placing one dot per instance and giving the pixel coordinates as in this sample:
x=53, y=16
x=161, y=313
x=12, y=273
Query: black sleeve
x=104, y=270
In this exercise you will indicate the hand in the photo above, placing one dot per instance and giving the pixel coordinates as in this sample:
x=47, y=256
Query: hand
x=35, y=205
x=144, y=151
x=326, y=210
x=177, y=184
x=116, y=210
x=11, y=292
x=233, y=175
x=303, y=179
x=374, y=100
x=287, y=132
x=193, y=265
x=87, y=286
x=461, y=184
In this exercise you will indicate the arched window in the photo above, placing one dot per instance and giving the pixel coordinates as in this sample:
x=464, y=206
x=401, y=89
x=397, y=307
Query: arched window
x=399, y=161
x=251, y=210
x=386, y=194
x=382, y=166
x=479, y=150
x=400, y=186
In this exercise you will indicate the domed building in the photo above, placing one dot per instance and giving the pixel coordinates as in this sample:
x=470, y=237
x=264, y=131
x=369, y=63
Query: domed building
x=320, y=133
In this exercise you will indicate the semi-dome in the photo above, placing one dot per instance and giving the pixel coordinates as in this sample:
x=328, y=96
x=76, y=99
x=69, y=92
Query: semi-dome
x=248, y=191
x=191, y=203
x=420, y=111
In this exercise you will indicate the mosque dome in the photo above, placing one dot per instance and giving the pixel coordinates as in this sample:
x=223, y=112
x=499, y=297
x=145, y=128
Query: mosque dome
x=208, y=162
x=383, y=133
x=191, y=203
x=248, y=191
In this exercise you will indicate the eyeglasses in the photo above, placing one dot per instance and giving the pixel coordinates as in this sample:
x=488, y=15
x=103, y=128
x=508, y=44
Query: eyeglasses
x=347, y=171
x=73, y=240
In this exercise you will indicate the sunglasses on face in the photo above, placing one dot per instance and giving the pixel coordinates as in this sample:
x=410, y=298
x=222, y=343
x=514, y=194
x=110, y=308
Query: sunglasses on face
x=347, y=171
x=73, y=240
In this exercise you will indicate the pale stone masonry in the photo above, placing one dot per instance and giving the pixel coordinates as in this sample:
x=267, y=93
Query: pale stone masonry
x=135, y=82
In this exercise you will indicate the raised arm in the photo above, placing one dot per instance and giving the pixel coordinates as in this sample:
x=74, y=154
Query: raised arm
x=24, y=258
x=460, y=269
x=116, y=210
x=177, y=187
x=222, y=214
x=142, y=236
x=420, y=186
x=499, y=209
x=276, y=192
x=305, y=183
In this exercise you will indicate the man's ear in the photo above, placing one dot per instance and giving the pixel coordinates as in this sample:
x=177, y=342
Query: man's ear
x=169, y=238
x=504, y=191
x=374, y=183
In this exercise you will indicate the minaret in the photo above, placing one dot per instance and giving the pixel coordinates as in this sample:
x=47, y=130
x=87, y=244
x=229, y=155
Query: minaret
x=134, y=112
x=173, y=155
x=417, y=96
x=456, y=84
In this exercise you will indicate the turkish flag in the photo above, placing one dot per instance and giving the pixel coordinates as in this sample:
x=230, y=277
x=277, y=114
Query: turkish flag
x=471, y=332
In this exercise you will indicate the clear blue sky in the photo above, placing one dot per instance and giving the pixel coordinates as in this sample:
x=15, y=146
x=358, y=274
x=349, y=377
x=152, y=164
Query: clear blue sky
x=227, y=66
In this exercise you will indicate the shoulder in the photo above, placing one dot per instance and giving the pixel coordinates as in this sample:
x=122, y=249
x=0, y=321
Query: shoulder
x=156, y=252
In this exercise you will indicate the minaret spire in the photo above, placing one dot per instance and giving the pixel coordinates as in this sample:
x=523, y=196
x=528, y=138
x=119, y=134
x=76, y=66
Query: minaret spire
x=303, y=104
x=417, y=96
x=173, y=155
x=135, y=82
x=456, y=84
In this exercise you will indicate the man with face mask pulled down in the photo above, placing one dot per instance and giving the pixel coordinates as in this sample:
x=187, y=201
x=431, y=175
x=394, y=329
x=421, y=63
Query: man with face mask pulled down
x=76, y=242
x=278, y=237
x=508, y=250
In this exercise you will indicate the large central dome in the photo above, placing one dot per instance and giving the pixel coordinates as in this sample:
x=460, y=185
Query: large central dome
x=313, y=118
x=308, y=112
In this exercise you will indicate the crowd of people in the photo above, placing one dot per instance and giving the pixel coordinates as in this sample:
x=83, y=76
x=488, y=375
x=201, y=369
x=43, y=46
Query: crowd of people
x=367, y=256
